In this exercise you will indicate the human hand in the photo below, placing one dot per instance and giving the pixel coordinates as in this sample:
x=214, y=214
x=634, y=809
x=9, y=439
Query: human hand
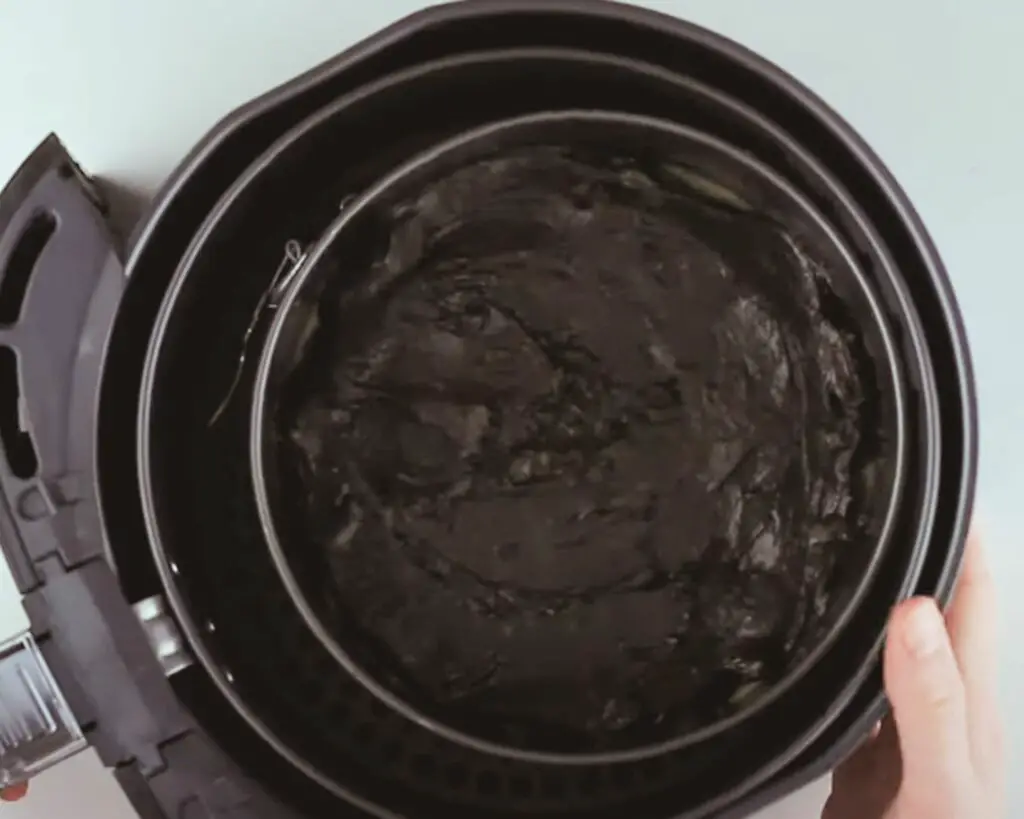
x=939, y=755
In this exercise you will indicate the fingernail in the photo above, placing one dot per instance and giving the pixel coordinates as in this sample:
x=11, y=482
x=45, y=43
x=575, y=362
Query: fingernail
x=924, y=630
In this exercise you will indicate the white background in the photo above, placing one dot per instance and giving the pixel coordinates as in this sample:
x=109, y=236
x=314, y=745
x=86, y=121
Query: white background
x=936, y=86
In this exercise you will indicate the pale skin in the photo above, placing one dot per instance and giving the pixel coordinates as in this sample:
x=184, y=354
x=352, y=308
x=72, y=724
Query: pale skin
x=940, y=754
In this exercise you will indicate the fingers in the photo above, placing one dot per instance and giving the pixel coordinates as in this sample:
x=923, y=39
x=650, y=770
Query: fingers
x=971, y=621
x=928, y=698
x=868, y=781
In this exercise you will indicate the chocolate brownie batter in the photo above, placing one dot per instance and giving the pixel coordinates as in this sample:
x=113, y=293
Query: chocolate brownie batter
x=582, y=449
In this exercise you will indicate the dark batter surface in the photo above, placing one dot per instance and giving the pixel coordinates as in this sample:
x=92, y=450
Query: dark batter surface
x=581, y=451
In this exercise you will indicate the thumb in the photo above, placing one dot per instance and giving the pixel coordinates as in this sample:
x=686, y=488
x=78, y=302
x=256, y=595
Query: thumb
x=928, y=699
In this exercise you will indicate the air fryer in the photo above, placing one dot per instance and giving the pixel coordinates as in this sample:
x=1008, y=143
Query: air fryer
x=153, y=509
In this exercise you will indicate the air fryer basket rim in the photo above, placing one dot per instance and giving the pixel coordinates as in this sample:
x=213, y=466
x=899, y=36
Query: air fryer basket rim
x=261, y=440
x=190, y=175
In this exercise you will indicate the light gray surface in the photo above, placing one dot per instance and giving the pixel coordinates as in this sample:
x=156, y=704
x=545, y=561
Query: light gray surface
x=934, y=85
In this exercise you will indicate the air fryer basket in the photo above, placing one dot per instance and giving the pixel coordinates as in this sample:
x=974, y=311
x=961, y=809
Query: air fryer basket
x=224, y=589
x=650, y=688
x=195, y=463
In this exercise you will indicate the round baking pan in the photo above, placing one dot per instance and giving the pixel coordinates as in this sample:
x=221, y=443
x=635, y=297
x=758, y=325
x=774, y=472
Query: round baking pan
x=701, y=585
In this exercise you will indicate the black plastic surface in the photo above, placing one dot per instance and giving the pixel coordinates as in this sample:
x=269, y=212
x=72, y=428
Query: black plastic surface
x=71, y=289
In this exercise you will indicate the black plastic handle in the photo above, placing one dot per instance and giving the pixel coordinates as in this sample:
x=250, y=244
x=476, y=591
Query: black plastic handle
x=61, y=279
